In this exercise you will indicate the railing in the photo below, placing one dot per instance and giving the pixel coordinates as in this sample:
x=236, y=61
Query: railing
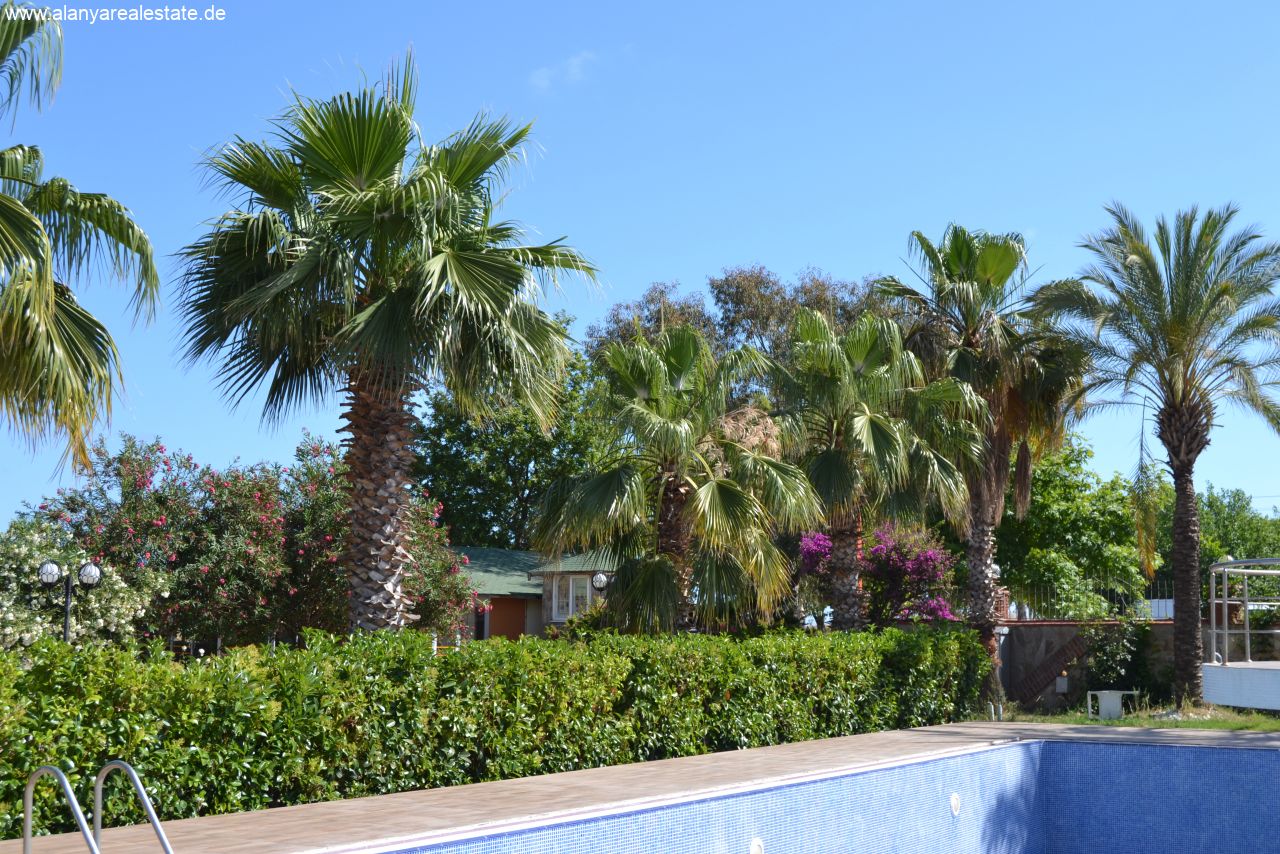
x=143, y=798
x=1222, y=597
x=92, y=839
x=72, y=804
x=1101, y=599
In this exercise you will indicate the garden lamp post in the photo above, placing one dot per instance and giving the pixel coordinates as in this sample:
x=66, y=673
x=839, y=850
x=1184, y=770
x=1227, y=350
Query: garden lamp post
x=600, y=581
x=50, y=575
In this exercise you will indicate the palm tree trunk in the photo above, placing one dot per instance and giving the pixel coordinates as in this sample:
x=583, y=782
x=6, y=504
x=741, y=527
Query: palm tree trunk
x=980, y=554
x=1183, y=429
x=380, y=462
x=1188, y=650
x=986, y=506
x=675, y=540
x=848, y=608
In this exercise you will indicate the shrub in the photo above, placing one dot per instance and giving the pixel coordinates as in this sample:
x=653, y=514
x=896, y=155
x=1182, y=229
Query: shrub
x=1117, y=655
x=903, y=571
x=379, y=713
x=29, y=611
x=247, y=552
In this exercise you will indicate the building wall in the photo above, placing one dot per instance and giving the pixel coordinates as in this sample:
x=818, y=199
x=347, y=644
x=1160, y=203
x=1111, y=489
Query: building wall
x=533, y=622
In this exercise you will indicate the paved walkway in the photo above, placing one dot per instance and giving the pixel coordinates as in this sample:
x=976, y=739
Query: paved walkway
x=419, y=818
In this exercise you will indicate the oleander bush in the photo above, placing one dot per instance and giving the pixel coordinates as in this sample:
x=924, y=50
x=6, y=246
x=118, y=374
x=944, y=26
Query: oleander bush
x=379, y=713
x=241, y=553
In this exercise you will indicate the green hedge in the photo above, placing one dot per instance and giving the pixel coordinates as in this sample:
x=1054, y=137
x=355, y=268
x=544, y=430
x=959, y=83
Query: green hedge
x=379, y=713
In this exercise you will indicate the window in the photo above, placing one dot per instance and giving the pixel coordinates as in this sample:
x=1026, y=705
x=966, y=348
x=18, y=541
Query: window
x=570, y=595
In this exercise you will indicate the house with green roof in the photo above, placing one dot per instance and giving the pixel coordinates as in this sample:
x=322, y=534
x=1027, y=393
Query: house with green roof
x=526, y=591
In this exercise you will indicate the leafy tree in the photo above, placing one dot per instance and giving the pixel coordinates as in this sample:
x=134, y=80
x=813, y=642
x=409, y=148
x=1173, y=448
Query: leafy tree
x=1229, y=522
x=490, y=473
x=755, y=307
x=688, y=506
x=751, y=306
x=1074, y=552
x=873, y=435
x=60, y=365
x=365, y=262
x=971, y=324
x=1190, y=323
x=1229, y=525
x=659, y=308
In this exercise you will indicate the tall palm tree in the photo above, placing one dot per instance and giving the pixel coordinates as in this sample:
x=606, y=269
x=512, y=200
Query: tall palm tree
x=365, y=262
x=689, y=505
x=873, y=434
x=1190, y=323
x=60, y=365
x=971, y=323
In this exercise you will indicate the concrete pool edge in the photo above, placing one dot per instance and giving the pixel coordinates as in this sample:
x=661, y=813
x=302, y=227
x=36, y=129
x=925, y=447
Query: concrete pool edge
x=614, y=808
x=409, y=819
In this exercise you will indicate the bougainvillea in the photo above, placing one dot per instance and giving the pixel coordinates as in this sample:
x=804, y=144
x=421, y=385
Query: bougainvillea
x=815, y=551
x=249, y=552
x=905, y=571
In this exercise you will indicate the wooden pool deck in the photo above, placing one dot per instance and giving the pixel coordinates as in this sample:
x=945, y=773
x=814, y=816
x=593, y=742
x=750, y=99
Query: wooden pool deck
x=409, y=819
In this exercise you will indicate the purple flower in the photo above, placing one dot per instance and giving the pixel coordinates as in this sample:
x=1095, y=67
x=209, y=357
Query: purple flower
x=815, y=550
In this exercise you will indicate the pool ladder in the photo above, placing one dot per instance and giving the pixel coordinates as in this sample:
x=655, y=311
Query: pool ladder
x=92, y=839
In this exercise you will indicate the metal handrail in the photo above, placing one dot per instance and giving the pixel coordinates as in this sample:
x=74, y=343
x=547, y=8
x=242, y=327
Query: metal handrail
x=76, y=813
x=138, y=788
x=1228, y=568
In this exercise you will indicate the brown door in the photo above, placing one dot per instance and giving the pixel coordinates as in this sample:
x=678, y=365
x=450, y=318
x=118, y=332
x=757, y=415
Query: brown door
x=506, y=620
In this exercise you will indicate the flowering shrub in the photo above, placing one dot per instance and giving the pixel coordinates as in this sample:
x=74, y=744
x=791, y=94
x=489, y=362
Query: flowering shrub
x=815, y=552
x=247, y=552
x=30, y=611
x=811, y=588
x=904, y=571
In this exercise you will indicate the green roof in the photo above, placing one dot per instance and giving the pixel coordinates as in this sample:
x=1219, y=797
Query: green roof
x=505, y=572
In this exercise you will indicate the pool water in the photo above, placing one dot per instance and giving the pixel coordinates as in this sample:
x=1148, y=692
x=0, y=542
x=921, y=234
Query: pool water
x=1031, y=797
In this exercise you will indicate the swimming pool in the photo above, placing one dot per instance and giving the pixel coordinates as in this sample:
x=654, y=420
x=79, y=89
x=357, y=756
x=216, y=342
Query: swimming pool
x=1027, y=797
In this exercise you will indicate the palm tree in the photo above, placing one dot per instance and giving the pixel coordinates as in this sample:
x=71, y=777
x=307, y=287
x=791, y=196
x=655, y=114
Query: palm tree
x=364, y=261
x=688, y=507
x=972, y=325
x=872, y=434
x=61, y=365
x=1190, y=323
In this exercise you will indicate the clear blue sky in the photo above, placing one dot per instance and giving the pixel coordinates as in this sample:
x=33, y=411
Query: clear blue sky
x=676, y=139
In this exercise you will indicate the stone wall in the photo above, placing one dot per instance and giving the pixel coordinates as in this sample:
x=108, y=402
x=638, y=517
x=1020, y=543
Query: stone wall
x=1028, y=645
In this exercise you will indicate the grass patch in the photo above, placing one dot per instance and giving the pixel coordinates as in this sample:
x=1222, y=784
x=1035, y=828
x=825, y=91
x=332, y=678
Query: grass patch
x=1168, y=717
